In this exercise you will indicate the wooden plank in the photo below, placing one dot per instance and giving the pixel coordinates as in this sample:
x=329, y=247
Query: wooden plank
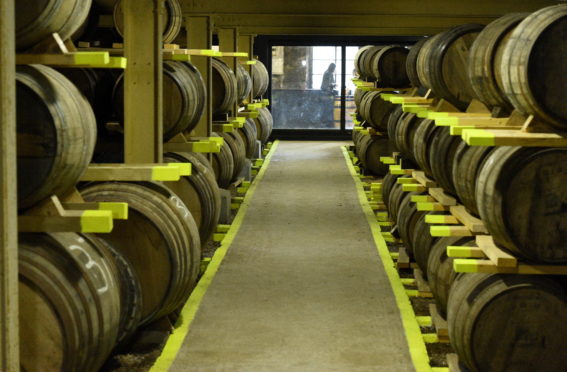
x=413, y=188
x=9, y=322
x=475, y=225
x=223, y=127
x=442, y=231
x=143, y=101
x=431, y=207
x=423, y=180
x=422, y=285
x=403, y=261
x=506, y=137
x=465, y=252
x=406, y=181
x=457, y=130
x=136, y=172
x=486, y=266
x=73, y=221
x=443, y=219
x=246, y=45
x=119, y=210
x=439, y=323
x=442, y=197
x=494, y=253
x=51, y=216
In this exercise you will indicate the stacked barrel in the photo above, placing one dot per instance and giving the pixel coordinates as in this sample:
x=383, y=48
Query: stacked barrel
x=384, y=66
x=84, y=295
x=228, y=90
x=496, y=322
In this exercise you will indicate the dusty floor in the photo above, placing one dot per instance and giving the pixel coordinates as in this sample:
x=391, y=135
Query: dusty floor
x=302, y=288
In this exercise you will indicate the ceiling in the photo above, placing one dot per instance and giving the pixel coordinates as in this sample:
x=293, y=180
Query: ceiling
x=354, y=17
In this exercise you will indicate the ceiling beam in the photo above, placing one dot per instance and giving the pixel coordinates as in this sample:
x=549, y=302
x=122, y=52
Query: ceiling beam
x=487, y=8
x=357, y=17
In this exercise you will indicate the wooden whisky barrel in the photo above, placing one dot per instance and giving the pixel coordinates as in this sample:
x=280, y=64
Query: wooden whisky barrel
x=238, y=149
x=366, y=59
x=424, y=135
x=395, y=199
x=440, y=272
x=407, y=219
x=69, y=303
x=264, y=124
x=393, y=119
x=422, y=242
x=172, y=19
x=532, y=70
x=411, y=63
x=441, y=155
x=260, y=79
x=362, y=60
x=56, y=134
x=466, y=164
x=130, y=290
x=37, y=20
x=404, y=134
x=387, y=184
x=160, y=239
x=200, y=97
x=388, y=66
x=376, y=111
x=358, y=95
x=444, y=64
x=521, y=198
x=370, y=149
x=184, y=95
x=223, y=165
x=225, y=87
x=355, y=135
x=244, y=83
x=249, y=134
x=485, y=60
x=199, y=192
x=85, y=79
x=508, y=322
x=422, y=66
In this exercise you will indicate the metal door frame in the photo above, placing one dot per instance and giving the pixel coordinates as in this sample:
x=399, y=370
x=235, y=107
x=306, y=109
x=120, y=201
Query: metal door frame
x=263, y=49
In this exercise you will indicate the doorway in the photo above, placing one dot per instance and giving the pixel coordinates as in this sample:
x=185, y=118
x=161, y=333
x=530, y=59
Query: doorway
x=309, y=98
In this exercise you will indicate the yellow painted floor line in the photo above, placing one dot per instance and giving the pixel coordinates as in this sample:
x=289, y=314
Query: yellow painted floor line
x=417, y=348
x=183, y=325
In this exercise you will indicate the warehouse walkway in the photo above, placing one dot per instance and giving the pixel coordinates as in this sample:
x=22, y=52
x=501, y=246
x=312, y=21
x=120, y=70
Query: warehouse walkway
x=302, y=287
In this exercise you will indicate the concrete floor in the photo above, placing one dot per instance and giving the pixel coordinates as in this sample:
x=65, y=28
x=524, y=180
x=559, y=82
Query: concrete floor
x=302, y=287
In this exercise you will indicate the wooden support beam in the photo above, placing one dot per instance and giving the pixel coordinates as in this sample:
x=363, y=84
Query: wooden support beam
x=246, y=45
x=412, y=9
x=228, y=42
x=9, y=330
x=143, y=102
x=200, y=36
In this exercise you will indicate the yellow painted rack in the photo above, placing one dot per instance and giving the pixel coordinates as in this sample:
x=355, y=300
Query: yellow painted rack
x=136, y=172
x=56, y=216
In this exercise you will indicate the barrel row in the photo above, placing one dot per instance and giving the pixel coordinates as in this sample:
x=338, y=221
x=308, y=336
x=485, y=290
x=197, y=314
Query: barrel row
x=513, y=63
x=83, y=297
x=383, y=64
x=496, y=322
x=515, y=191
x=495, y=184
x=92, y=293
x=487, y=314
